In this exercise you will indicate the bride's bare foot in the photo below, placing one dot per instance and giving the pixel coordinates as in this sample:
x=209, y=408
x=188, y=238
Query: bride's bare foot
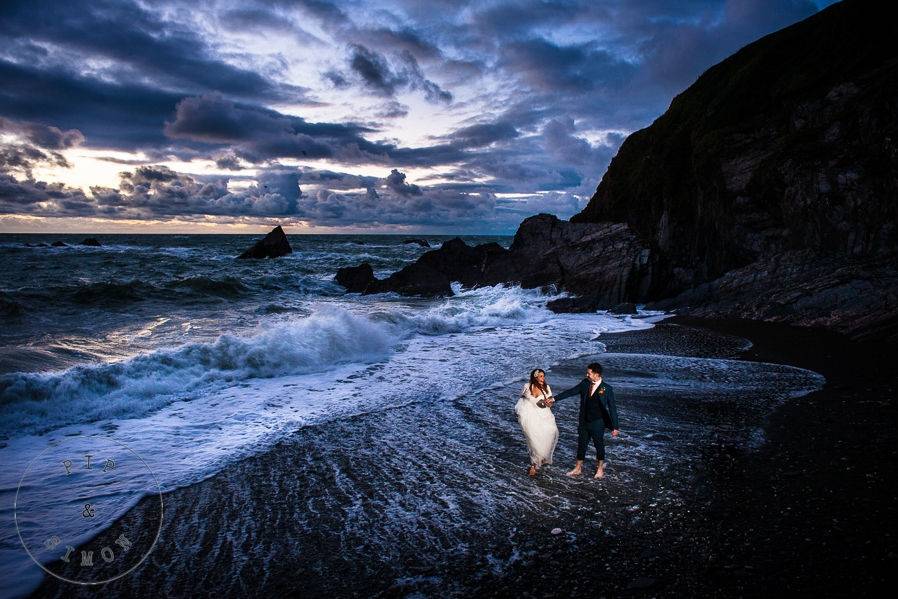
x=533, y=470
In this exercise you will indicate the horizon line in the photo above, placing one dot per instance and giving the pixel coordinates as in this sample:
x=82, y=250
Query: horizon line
x=244, y=234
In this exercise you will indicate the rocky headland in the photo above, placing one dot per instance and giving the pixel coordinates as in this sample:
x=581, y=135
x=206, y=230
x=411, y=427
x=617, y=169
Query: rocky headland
x=766, y=191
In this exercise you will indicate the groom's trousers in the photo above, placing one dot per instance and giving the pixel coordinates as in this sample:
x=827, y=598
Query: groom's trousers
x=594, y=430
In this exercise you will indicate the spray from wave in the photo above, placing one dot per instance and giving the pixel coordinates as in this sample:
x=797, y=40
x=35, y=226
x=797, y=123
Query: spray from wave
x=331, y=336
x=134, y=387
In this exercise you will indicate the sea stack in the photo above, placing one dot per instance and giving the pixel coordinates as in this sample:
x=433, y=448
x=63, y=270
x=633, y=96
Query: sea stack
x=273, y=245
x=91, y=241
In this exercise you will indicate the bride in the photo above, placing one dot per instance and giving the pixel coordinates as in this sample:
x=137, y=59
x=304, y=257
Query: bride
x=537, y=421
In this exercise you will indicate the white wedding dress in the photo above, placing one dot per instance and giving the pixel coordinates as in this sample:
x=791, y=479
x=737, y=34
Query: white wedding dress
x=538, y=425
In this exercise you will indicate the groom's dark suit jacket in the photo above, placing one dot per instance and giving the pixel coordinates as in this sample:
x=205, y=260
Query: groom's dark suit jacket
x=599, y=405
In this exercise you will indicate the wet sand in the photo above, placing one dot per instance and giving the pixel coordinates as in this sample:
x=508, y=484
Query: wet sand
x=717, y=496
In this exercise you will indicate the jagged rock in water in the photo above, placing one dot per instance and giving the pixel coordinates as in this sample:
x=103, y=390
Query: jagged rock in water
x=91, y=241
x=356, y=279
x=273, y=245
x=59, y=244
x=545, y=251
x=422, y=242
x=414, y=279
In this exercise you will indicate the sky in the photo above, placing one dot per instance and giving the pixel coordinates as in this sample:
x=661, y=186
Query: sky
x=326, y=116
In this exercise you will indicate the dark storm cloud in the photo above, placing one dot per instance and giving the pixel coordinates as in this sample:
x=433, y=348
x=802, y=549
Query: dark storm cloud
x=396, y=182
x=18, y=196
x=157, y=192
x=228, y=162
x=336, y=78
x=416, y=80
x=141, y=44
x=125, y=116
x=547, y=66
x=401, y=39
x=376, y=209
x=561, y=141
x=22, y=158
x=374, y=70
x=258, y=134
x=378, y=75
x=483, y=134
x=43, y=136
x=149, y=64
x=38, y=145
x=264, y=20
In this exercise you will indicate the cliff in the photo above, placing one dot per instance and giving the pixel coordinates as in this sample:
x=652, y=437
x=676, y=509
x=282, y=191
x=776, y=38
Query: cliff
x=768, y=190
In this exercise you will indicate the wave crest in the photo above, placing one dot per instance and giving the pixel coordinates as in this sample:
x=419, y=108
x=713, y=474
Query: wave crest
x=146, y=382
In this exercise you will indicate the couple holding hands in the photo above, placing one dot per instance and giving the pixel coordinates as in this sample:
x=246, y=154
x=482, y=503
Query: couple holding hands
x=597, y=412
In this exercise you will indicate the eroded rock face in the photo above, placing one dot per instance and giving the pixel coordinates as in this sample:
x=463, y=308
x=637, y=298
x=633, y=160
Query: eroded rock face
x=604, y=261
x=596, y=261
x=273, y=245
x=777, y=168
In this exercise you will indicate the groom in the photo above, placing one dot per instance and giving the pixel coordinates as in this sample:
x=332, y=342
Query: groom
x=597, y=411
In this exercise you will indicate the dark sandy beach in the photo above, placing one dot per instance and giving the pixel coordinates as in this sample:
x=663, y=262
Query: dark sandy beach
x=434, y=500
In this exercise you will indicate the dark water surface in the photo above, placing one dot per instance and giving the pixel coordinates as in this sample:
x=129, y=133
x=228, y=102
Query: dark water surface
x=431, y=498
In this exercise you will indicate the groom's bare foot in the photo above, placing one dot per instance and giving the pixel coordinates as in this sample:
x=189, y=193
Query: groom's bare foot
x=600, y=471
x=575, y=472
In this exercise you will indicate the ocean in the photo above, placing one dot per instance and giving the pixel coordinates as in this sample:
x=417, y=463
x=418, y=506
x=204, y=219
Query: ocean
x=196, y=361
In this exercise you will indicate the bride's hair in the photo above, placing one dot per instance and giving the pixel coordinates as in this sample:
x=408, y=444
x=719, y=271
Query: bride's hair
x=534, y=383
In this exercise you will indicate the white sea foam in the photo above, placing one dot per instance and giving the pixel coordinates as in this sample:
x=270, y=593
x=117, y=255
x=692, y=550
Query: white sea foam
x=34, y=402
x=191, y=410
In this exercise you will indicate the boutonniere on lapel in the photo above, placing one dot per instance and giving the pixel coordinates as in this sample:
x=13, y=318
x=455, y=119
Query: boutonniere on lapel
x=602, y=390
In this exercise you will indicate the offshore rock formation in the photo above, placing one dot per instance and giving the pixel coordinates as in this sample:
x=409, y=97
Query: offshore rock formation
x=596, y=261
x=273, y=245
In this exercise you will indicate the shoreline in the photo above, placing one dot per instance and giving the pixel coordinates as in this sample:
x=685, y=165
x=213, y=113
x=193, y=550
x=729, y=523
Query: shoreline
x=713, y=532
